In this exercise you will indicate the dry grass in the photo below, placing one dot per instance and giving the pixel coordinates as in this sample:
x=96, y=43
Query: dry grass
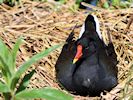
x=44, y=24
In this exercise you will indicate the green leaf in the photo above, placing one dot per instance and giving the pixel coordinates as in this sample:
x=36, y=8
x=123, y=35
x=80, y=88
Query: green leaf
x=3, y=88
x=8, y=60
x=14, y=52
x=44, y=93
x=62, y=1
x=4, y=69
x=5, y=61
x=1, y=1
x=78, y=1
x=4, y=52
x=25, y=82
x=106, y=5
x=27, y=64
x=115, y=2
x=125, y=4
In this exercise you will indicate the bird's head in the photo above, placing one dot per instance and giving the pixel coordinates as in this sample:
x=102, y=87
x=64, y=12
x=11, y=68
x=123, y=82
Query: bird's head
x=90, y=31
x=81, y=45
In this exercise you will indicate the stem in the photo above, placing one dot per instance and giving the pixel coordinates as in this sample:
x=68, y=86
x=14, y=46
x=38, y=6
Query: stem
x=7, y=96
x=13, y=95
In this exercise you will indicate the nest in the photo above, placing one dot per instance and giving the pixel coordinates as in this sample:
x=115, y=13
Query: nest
x=44, y=25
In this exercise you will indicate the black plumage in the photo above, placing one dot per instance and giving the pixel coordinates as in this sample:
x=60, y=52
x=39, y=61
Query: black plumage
x=95, y=70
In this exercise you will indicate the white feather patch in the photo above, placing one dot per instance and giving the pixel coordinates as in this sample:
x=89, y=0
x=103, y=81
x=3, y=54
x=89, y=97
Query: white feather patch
x=82, y=30
x=97, y=28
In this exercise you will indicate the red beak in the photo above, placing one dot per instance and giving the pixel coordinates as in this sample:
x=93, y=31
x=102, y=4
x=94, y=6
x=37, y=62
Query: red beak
x=78, y=54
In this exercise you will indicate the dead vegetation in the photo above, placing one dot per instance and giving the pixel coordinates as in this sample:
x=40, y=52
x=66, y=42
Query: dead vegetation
x=43, y=25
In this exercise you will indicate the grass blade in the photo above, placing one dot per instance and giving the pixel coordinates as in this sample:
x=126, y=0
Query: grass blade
x=5, y=70
x=4, y=55
x=14, y=52
x=25, y=82
x=27, y=64
x=44, y=93
x=5, y=61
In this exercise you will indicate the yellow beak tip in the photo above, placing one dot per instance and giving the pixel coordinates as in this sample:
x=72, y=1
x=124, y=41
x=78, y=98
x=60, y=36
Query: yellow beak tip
x=75, y=60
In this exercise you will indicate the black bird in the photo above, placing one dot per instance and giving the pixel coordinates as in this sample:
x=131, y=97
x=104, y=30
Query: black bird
x=87, y=66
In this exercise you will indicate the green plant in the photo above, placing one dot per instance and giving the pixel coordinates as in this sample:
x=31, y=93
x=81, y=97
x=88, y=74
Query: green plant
x=108, y=3
x=10, y=85
x=105, y=5
x=62, y=1
x=121, y=3
x=115, y=2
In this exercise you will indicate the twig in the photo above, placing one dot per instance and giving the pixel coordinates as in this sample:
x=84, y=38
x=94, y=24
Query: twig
x=109, y=36
x=129, y=24
x=7, y=11
x=20, y=26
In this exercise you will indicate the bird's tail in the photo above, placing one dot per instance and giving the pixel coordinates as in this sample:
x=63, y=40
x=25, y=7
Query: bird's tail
x=71, y=35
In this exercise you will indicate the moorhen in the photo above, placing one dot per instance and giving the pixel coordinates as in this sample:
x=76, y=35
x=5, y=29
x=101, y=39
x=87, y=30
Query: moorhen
x=87, y=66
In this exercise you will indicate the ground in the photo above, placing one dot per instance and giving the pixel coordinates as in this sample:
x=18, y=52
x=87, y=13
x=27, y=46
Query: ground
x=44, y=25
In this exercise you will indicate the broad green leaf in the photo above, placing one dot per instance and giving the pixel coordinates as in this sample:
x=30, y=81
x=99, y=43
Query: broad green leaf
x=25, y=81
x=3, y=88
x=44, y=93
x=14, y=52
x=5, y=70
x=31, y=61
x=4, y=52
x=5, y=61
